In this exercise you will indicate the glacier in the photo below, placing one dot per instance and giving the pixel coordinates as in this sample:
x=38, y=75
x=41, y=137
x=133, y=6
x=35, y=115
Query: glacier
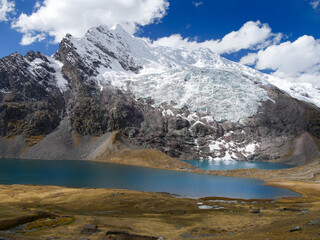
x=199, y=79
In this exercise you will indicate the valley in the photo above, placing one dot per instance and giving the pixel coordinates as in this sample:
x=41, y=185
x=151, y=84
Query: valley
x=162, y=215
x=159, y=215
x=111, y=98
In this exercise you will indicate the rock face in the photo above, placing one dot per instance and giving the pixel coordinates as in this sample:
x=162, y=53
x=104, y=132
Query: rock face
x=186, y=104
x=31, y=103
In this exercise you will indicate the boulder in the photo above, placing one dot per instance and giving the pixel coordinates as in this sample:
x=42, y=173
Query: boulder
x=255, y=211
x=297, y=228
x=89, y=229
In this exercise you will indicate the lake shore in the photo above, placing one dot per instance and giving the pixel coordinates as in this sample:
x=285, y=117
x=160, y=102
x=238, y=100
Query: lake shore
x=155, y=214
x=155, y=159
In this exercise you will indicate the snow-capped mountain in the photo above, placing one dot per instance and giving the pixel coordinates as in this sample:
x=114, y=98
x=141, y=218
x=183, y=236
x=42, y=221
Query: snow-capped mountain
x=198, y=79
x=188, y=104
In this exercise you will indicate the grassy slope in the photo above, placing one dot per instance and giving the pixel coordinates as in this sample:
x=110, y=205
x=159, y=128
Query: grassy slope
x=162, y=215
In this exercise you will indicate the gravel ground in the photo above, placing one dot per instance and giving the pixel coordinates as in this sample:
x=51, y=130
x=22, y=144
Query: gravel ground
x=59, y=145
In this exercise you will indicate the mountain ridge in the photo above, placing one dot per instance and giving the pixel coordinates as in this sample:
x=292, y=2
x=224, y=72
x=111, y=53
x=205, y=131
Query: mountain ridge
x=187, y=104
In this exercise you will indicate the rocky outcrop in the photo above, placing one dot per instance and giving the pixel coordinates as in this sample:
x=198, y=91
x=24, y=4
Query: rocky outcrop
x=31, y=103
x=276, y=127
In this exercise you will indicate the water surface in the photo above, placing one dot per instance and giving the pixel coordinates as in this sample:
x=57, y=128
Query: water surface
x=105, y=175
x=232, y=165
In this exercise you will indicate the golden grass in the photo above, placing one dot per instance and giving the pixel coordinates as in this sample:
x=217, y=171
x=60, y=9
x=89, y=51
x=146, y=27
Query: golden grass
x=161, y=214
x=142, y=157
x=48, y=222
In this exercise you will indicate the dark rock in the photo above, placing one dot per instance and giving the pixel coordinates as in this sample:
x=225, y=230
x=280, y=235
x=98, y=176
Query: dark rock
x=199, y=129
x=121, y=235
x=255, y=211
x=177, y=124
x=297, y=228
x=89, y=229
x=291, y=209
x=33, y=105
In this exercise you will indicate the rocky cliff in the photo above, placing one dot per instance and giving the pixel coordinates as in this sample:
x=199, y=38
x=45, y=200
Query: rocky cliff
x=186, y=104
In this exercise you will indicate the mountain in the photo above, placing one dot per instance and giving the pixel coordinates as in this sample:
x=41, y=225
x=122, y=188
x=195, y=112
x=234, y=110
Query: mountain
x=110, y=91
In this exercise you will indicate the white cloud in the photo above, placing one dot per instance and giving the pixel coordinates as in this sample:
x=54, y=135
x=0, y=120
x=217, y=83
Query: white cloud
x=29, y=38
x=315, y=4
x=297, y=61
x=58, y=17
x=36, y=6
x=252, y=35
x=249, y=59
x=197, y=4
x=5, y=8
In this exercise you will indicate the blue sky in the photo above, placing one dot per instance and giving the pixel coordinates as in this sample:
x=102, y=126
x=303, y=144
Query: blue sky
x=213, y=19
x=283, y=29
x=210, y=20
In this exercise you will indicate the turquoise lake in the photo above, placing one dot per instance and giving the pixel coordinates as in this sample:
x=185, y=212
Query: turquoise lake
x=104, y=175
x=232, y=165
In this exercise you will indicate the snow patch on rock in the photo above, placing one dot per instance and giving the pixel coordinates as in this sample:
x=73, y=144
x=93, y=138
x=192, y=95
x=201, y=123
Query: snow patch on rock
x=230, y=150
x=61, y=81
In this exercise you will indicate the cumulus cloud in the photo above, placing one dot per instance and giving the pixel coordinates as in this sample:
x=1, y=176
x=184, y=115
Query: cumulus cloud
x=249, y=59
x=55, y=18
x=5, y=8
x=29, y=38
x=252, y=35
x=297, y=61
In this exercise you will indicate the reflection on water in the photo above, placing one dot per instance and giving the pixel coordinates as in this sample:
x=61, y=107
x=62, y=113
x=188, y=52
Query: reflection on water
x=231, y=165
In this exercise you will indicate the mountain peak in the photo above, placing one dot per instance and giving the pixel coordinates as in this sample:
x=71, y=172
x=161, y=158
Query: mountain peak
x=101, y=28
x=198, y=79
x=104, y=32
x=119, y=29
